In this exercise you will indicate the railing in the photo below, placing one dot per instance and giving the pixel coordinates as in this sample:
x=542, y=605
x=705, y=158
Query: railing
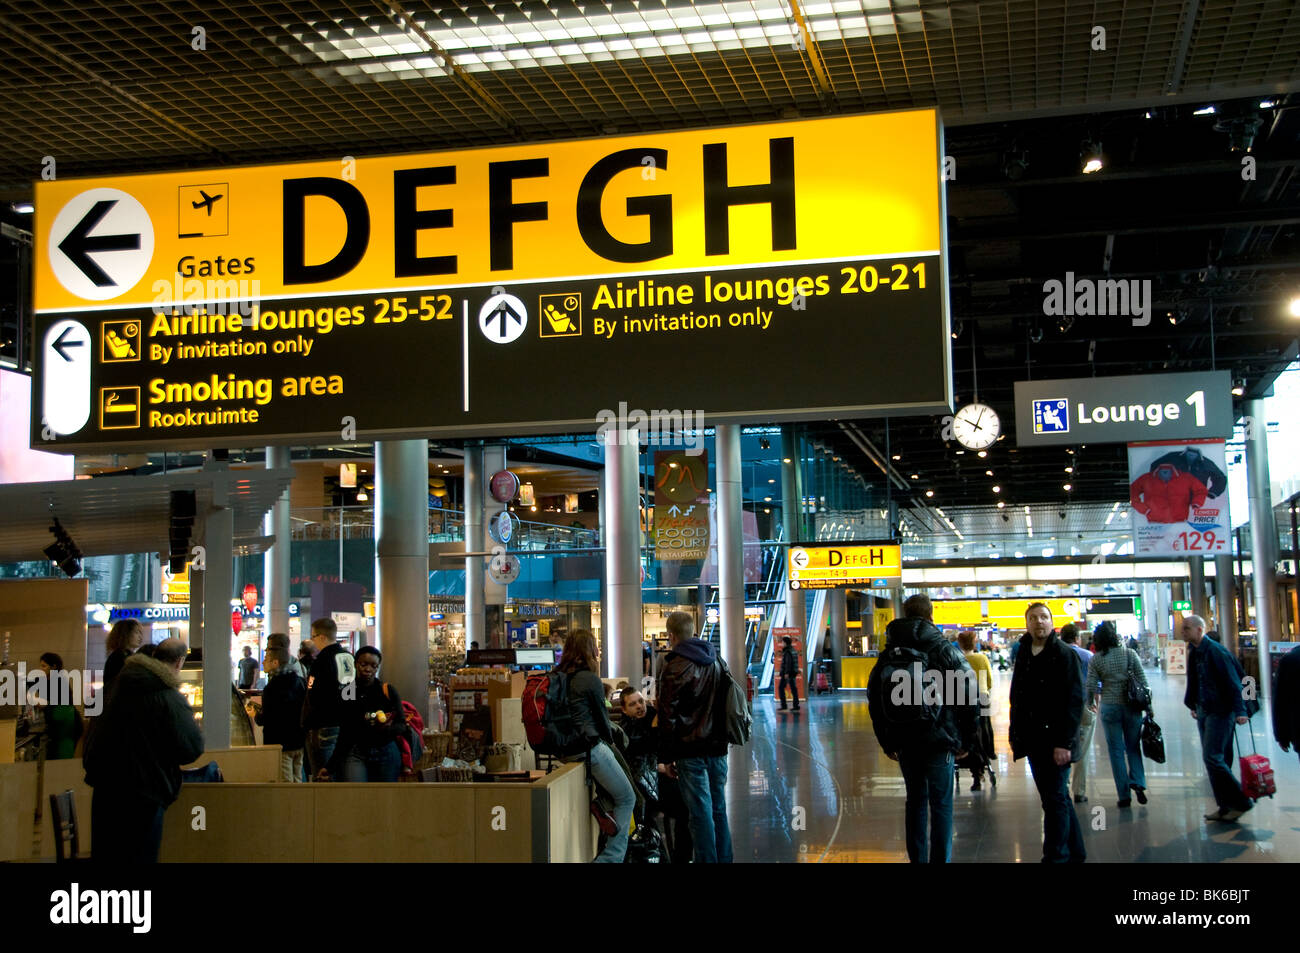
x=445, y=526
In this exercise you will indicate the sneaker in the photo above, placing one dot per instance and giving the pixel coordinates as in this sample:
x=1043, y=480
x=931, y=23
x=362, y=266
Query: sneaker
x=1127, y=802
x=1140, y=793
x=1216, y=816
x=1081, y=799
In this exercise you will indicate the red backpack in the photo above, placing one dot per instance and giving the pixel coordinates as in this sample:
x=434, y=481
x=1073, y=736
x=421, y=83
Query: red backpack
x=410, y=740
x=547, y=720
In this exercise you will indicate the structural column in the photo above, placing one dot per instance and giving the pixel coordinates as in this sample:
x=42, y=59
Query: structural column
x=621, y=622
x=402, y=565
x=475, y=486
x=1196, y=587
x=218, y=576
x=1225, y=602
x=791, y=522
x=1263, y=542
x=731, y=548
x=839, y=626
x=275, y=574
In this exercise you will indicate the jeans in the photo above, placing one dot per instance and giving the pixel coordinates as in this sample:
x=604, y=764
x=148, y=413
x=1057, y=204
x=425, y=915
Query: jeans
x=929, y=778
x=124, y=828
x=364, y=763
x=794, y=689
x=291, y=765
x=1062, y=833
x=320, y=747
x=609, y=774
x=1123, y=728
x=1079, y=771
x=703, y=784
x=1216, y=750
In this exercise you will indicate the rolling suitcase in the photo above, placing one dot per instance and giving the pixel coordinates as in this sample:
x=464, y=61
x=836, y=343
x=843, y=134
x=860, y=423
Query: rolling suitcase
x=1256, y=773
x=823, y=683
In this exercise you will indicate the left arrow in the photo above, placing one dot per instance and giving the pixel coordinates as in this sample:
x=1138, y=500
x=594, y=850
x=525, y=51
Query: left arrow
x=79, y=243
x=62, y=344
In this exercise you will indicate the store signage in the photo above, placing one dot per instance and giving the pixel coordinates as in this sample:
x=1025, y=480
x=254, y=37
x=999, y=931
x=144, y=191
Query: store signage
x=248, y=305
x=681, y=514
x=504, y=569
x=1122, y=605
x=846, y=566
x=503, y=486
x=349, y=621
x=175, y=587
x=1178, y=491
x=1123, y=409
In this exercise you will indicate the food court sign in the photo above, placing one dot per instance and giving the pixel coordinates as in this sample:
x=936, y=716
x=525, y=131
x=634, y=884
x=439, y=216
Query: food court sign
x=395, y=294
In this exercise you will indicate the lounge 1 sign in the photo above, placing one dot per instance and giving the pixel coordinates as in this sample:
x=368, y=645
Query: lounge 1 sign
x=396, y=294
x=1124, y=409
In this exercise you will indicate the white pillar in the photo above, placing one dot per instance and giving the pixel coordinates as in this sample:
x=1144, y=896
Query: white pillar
x=1225, y=602
x=621, y=623
x=731, y=548
x=402, y=565
x=1263, y=544
x=275, y=576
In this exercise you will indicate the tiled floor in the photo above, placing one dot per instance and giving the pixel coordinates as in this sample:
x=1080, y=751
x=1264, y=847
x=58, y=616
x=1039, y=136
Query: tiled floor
x=815, y=786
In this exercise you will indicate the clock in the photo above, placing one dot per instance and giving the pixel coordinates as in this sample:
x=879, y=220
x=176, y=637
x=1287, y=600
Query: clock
x=976, y=426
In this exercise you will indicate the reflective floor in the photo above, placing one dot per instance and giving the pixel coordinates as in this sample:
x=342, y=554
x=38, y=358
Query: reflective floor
x=815, y=786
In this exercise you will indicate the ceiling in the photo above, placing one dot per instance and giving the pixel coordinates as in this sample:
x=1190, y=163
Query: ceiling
x=129, y=86
x=112, y=515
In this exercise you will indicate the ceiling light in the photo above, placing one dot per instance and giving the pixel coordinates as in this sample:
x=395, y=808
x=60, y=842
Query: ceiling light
x=916, y=476
x=961, y=453
x=1069, y=469
x=1067, y=487
x=1266, y=104
x=988, y=472
x=983, y=454
x=997, y=489
x=929, y=493
x=1204, y=111
x=362, y=495
x=24, y=208
x=1238, y=387
x=1294, y=307
x=1064, y=323
x=1091, y=157
x=957, y=329
x=1001, y=504
x=788, y=460
x=1240, y=130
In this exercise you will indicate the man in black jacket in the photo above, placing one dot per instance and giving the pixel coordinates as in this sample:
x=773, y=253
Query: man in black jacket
x=1286, y=701
x=133, y=759
x=281, y=713
x=331, y=686
x=1046, y=708
x=789, y=672
x=693, y=739
x=925, y=713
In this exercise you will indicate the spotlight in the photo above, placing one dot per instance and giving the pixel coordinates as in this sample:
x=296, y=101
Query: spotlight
x=1238, y=387
x=1064, y=323
x=958, y=328
x=1090, y=156
x=1035, y=334
x=1015, y=162
x=764, y=444
x=1241, y=132
x=63, y=551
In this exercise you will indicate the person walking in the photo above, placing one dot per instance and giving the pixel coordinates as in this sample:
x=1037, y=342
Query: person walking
x=789, y=672
x=1079, y=770
x=693, y=739
x=925, y=739
x=133, y=758
x=1046, y=709
x=1214, y=696
x=367, y=745
x=1112, y=666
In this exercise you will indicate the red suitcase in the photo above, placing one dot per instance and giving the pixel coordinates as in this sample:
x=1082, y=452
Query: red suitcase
x=1256, y=773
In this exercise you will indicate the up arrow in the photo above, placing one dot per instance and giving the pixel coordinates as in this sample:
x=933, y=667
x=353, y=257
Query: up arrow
x=78, y=244
x=673, y=510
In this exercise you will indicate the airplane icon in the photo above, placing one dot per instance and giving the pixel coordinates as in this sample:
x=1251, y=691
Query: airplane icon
x=207, y=201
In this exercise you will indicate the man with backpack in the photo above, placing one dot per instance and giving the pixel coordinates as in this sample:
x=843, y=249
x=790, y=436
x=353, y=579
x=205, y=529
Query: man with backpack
x=693, y=735
x=924, y=704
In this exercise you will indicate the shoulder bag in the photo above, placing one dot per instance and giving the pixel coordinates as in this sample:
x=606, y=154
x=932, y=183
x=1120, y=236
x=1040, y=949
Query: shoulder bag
x=1136, y=694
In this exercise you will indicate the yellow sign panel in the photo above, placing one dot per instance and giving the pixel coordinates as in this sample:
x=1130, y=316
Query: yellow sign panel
x=833, y=189
x=959, y=612
x=867, y=566
x=1010, y=613
x=176, y=586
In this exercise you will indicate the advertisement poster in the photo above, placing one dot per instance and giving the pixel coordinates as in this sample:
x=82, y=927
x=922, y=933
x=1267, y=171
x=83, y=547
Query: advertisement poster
x=681, y=514
x=1179, y=493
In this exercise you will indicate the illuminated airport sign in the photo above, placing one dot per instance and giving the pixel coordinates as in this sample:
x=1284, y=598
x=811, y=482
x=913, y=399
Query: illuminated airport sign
x=1124, y=409
x=419, y=294
x=846, y=566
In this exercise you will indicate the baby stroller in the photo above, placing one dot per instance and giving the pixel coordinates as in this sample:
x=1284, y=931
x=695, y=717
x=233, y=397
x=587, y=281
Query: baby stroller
x=983, y=759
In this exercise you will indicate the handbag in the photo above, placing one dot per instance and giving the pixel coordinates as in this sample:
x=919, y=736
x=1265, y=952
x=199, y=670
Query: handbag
x=1153, y=740
x=1136, y=695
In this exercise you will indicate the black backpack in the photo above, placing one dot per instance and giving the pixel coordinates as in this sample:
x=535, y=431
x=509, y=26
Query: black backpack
x=911, y=711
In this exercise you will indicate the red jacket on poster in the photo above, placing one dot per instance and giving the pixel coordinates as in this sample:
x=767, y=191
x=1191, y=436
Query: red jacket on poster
x=1166, y=494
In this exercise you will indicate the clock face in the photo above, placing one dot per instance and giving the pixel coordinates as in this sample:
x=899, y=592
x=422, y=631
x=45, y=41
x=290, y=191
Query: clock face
x=976, y=426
